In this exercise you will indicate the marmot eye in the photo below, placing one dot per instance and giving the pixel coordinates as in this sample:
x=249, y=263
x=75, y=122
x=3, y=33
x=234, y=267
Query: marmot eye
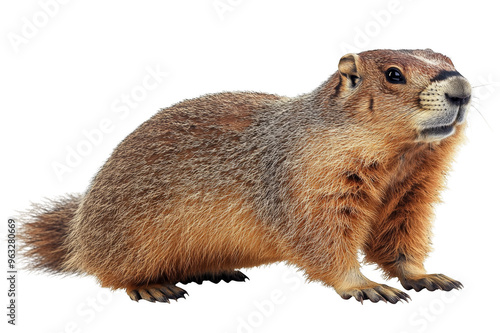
x=393, y=75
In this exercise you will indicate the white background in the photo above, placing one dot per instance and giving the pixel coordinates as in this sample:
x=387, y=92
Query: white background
x=72, y=71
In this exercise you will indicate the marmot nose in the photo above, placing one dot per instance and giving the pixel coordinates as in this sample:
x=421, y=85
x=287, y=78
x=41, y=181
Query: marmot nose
x=458, y=91
x=457, y=99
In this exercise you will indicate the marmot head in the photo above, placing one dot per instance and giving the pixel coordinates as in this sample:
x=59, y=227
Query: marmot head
x=416, y=94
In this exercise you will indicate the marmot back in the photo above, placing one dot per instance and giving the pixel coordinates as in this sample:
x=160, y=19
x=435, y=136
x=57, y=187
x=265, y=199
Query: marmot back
x=233, y=180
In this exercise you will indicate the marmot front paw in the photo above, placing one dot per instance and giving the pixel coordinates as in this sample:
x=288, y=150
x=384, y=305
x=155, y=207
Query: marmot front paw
x=381, y=292
x=431, y=282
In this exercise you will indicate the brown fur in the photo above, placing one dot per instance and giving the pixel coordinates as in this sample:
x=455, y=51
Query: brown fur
x=45, y=230
x=235, y=180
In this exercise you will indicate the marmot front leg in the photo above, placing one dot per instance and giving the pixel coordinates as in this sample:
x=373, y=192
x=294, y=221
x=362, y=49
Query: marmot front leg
x=333, y=260
x=400, y=243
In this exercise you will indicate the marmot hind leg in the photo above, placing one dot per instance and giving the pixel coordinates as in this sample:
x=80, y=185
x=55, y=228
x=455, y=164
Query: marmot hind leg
x=216, y=277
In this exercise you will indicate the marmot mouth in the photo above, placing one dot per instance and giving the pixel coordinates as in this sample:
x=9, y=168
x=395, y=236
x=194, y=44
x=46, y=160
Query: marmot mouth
x=439, y=132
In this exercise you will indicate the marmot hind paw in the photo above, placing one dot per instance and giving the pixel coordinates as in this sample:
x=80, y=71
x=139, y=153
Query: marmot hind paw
x=156, y=293
x=216, y=277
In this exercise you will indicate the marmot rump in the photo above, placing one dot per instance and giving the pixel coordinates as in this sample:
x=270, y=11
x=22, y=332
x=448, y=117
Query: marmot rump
x=232, y=180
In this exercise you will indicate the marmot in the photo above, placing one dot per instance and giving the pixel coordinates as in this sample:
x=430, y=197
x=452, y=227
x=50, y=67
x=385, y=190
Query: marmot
x=233, y=180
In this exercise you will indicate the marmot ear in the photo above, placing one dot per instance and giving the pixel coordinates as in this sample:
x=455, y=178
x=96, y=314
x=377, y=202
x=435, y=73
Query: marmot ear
x=348, y=67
